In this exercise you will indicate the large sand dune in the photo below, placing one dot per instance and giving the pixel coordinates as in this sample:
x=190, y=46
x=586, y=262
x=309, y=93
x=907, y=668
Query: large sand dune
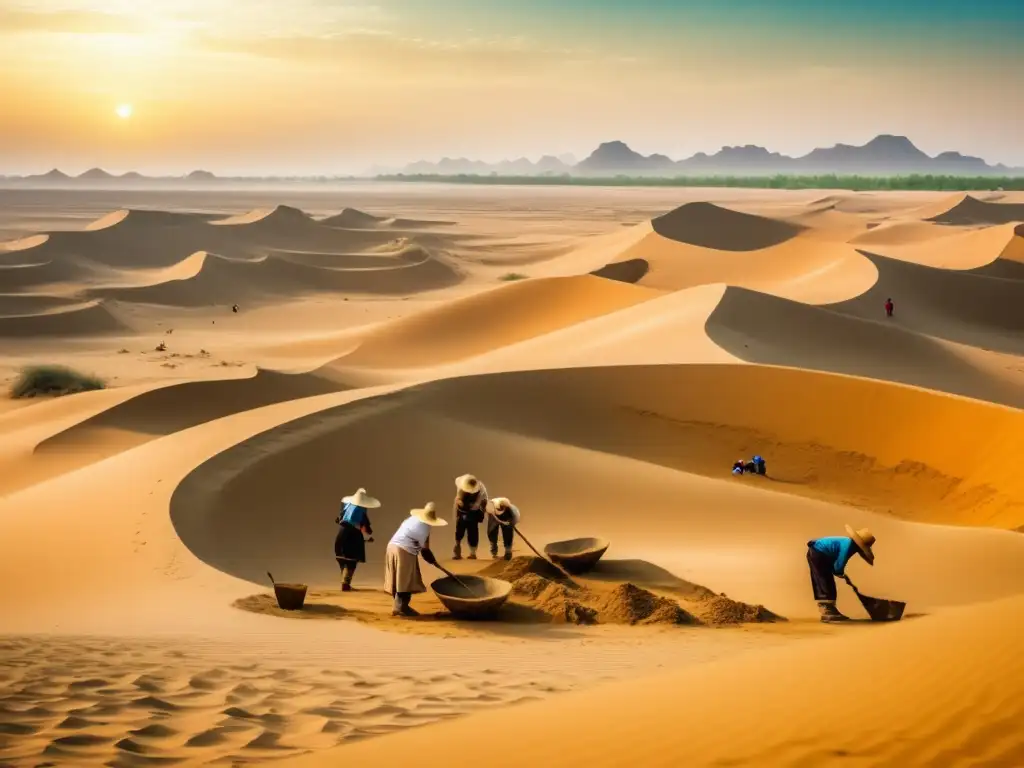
x=651, y=338
x=963, y=307
x=761, y=328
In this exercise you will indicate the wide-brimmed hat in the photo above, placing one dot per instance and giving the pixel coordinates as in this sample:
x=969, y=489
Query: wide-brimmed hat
x=864, y=539
x=362, y=499
x=467, y=483
x=428, y=515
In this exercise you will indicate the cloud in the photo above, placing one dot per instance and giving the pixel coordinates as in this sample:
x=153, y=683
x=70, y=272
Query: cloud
x=15, y=20
x=381, y=53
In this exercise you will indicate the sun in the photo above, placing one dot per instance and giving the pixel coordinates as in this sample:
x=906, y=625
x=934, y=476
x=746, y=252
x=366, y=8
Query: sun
x=124, y=111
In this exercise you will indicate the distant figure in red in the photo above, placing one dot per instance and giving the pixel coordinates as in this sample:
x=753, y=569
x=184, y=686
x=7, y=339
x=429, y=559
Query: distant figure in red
x=888, y=307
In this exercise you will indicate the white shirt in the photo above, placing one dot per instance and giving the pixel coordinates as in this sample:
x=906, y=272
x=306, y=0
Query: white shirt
x=412, y=535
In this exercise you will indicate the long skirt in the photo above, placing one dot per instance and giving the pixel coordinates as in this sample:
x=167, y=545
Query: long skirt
x=402, y=571
x=823, y=580
x=349, y=544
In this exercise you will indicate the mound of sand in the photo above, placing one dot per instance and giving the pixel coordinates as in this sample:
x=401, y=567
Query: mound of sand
x=712, y=226
x=281, y=215
x=583, y=600
x=761, y=328
x=354, y=219
x=482, y=322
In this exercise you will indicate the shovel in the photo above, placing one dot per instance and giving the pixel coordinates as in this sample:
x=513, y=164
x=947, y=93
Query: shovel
x=877, y=608
x=542, y=557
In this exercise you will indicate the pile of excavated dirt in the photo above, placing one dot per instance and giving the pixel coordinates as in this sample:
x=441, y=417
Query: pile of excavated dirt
x=578, y=600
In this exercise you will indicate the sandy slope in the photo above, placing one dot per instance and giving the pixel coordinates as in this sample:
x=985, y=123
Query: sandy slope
x=607, y=392
x=894, y=706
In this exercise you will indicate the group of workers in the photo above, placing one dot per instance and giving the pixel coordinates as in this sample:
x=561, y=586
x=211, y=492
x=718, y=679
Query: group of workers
x=827, y=557
x=755, y=466
x=402, y=577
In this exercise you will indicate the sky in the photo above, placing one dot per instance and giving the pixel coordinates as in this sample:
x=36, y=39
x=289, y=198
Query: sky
x=324, y=87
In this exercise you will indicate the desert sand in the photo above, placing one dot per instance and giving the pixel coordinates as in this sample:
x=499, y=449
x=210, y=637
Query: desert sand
x=601, y=357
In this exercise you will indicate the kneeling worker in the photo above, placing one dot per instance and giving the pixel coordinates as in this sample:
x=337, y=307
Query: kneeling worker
x=827, y=559
x=503, y=515
x=402, y=576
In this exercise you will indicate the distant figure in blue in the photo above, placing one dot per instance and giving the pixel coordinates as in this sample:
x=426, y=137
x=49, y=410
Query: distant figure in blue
x=828, y=558
x=349, y=544
x=759, y=465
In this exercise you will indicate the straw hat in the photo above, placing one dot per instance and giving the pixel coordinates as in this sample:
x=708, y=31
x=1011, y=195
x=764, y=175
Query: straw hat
x=362, y=499
x=467, y=483
x=864, y=539
x=428, y=515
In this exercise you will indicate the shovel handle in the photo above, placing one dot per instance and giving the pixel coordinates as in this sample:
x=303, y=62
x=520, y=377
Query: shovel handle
x=542, y=557
x=446, y=572
x=271, y=578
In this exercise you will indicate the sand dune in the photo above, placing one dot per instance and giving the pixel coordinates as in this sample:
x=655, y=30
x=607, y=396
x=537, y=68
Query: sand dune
x=804, y=268
x=967, y=210
x=92, y=318
x=618, y=436
x=711, y=226
x=904, y=689
x=161, y=411
x=760, y=328
x=145, y=221
x=962, y=307
x=496, y=318
x=219, y=280
x=279, y=216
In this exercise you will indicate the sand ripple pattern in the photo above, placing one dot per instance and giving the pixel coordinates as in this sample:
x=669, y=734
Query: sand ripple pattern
x=66, y=702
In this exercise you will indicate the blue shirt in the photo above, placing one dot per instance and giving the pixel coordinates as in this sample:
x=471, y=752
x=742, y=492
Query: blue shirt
x=353, y=515
x=839, y=548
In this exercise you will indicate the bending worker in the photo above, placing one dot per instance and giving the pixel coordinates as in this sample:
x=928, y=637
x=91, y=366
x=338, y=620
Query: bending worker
x=402, y=577
x=504, y=515
x=828, y=558
x=470, y=506
x=349, y=544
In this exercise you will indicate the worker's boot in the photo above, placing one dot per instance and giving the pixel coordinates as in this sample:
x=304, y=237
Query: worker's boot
x=829, y=613
x=472, y=553
x=508, y=553
x=457, y=552
x=399, y=604
x=494, y=551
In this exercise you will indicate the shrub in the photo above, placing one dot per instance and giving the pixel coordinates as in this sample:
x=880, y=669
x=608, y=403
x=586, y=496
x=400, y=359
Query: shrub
x=510, y=276
x=53, y=380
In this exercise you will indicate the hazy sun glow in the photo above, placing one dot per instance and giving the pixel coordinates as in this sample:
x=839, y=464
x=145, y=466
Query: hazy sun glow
x=124, y=111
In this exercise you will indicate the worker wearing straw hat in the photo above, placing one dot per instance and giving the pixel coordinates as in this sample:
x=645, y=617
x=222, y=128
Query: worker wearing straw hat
x=402, y=576
x=502, y=515
x=470, y=507
x=828, y=558
x=349, y=544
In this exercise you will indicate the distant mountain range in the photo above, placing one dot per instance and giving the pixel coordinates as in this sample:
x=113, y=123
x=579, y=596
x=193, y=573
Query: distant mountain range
x=884, y=155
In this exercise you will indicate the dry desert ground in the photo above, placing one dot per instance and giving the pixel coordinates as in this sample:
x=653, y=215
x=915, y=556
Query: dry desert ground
x=601, y=357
